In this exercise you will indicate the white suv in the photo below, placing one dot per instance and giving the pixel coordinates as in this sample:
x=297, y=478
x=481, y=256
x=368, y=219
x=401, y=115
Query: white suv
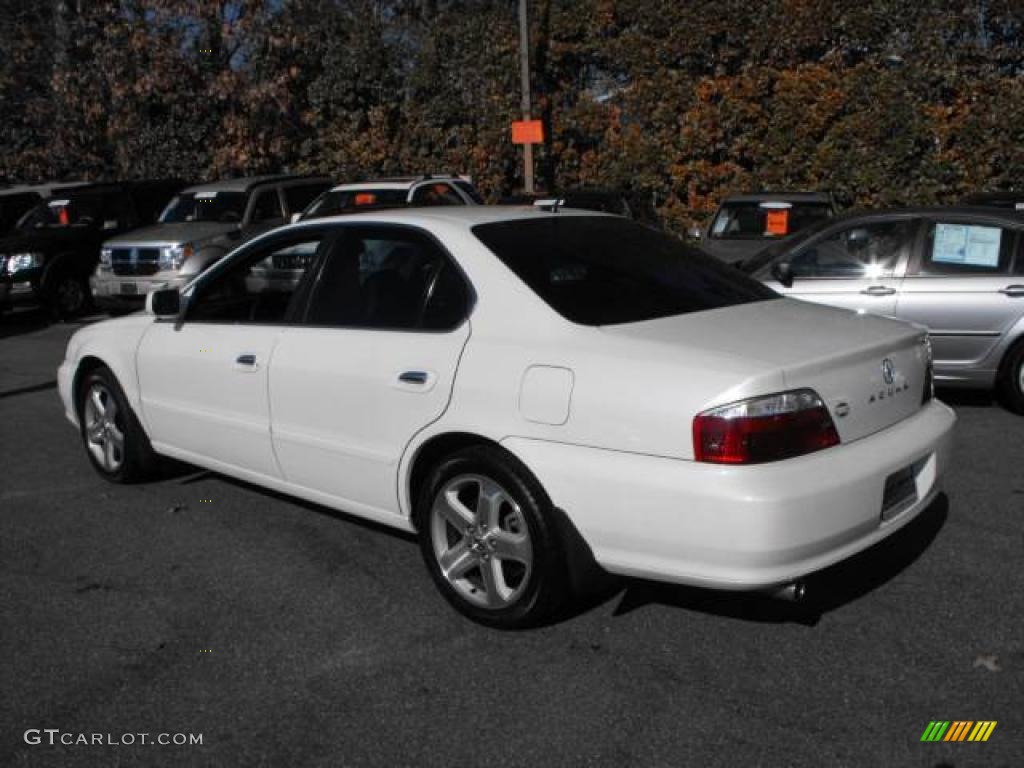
x=400, y=192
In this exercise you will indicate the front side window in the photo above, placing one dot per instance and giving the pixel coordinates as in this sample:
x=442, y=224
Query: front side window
x=865, y=251
x=301, y=195
x=752, y=220
x=957, y=248
x=388, y=278
x=205, y=206
x=267, y=206
x=603, y=270
x=258, y=287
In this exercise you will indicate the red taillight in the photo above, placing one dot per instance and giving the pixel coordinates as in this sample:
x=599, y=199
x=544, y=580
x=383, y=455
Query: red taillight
x=764, y=429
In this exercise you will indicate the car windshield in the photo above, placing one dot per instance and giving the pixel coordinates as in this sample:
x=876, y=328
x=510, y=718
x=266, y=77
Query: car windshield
x=205, y=206
x=751, y=220
x=63, y=212
x=603, y=270
x=349, y=200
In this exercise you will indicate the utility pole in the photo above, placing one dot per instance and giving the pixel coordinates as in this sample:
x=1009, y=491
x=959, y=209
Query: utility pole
x=524, y=66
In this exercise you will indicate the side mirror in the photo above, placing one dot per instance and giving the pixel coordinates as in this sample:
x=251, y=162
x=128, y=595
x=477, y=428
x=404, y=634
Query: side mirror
x=295, y=217
x=695, y=233
x=165, y=302
x=783, y=272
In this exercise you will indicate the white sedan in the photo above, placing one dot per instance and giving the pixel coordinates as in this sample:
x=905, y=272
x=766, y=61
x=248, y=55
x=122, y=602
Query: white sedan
x=529, y=391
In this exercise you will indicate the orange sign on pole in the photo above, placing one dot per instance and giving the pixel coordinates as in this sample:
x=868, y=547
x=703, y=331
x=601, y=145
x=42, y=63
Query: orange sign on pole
x=527, y=132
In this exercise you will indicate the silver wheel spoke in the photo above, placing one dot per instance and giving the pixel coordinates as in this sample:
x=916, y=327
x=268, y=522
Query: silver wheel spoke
x=454, y=511
x=510, y=546
x=111, y=411
x=493, y=583
x=97, y=402
x=95, y=431
x=489, y=503
x=457, y=561
x=109, y=457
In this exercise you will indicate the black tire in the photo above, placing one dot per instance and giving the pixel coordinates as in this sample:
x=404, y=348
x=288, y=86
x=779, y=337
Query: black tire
x=1010, y=384
x=135, y=460
x=535, y=590
x=66, y=294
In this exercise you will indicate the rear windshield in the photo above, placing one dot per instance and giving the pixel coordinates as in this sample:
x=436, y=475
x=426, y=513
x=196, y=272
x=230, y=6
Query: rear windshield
x=601, y=270
x=745, y=221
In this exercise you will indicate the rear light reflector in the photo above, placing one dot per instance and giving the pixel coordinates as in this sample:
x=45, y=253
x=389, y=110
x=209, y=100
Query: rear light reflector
x=764, y=429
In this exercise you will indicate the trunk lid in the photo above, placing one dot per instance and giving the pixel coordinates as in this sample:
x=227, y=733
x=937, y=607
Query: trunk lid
x=869, y=371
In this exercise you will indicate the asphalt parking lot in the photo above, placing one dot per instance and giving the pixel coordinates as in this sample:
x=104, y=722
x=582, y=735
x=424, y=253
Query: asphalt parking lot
x=287, y=634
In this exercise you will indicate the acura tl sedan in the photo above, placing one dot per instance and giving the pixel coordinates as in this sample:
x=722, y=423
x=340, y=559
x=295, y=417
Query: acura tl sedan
x=957, y=270
x=530, y=392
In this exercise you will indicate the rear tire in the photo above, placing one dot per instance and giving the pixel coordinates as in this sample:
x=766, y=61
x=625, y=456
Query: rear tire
x=487, y=536
x=114, y=440
x=1010, y=386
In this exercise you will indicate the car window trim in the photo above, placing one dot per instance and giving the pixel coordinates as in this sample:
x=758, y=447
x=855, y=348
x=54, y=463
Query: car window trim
x=345, y=230
x=929, y=220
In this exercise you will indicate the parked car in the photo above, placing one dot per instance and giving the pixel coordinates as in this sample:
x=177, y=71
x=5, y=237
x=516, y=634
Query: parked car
x=959, y=271
x=745, y=224
x=1012, y=200
x=400, y=192
x=56, y=245
x=16, y=201
x=196, y=229
x=605, y=201
x=650, y=413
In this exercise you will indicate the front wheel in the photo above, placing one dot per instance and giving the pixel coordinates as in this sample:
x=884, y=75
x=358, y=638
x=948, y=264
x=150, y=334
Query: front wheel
x=67, y=294
x=485, y=533
x=1011, y=380
x=114, y=439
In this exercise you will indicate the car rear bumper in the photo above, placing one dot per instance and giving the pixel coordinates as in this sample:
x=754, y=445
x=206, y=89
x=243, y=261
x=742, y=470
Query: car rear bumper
x=741, y=527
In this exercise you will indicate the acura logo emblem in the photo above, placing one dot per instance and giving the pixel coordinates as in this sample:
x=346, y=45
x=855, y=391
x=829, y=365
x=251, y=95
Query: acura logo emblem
x=888, y=372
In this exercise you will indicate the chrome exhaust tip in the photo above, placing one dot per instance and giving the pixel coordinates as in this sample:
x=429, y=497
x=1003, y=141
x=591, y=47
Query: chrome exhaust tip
x=793, y=592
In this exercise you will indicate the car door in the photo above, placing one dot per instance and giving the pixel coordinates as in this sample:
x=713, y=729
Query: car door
x=203, y=381
x=858, y=265
x=371, y=364
x=960, y=286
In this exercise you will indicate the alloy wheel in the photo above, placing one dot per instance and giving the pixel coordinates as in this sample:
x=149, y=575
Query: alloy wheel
x=481, y=541
x=104, y=428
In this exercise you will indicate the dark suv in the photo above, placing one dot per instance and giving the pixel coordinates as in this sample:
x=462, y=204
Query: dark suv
x=49, y=256
x=198, y=227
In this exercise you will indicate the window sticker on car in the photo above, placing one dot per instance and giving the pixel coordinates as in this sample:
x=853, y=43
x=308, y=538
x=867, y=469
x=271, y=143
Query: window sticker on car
x=966, y=244
x=58, y=203
x=365, y=198
x=777, y=222
x=206, y=195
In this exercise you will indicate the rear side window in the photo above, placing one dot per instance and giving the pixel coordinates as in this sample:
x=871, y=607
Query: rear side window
x=436, y=194
x=267, y=207
x=960, y=248
x=388, y=278
x=598, y=270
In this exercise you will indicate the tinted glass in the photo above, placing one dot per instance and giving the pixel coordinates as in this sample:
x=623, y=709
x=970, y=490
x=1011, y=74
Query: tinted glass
x=603, y=270
x=744, y=221
x=267, y=206
x=381, y=277
x=863, y=251
x=258, y=287
x=65, y=212
x=205, y=206
x=961, y=248
x=299, y=197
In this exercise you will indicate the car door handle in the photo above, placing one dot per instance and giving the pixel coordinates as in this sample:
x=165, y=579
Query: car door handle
x=1012, y=290
x=878, y=290
x=246, y=362
x=413, y=377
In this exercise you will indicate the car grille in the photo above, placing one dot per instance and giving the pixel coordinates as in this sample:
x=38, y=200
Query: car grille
x=135, y=261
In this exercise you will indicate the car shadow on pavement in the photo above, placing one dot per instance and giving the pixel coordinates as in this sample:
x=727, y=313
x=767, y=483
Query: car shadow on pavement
x=17, y=322
x=827, y=590
x=967, y=397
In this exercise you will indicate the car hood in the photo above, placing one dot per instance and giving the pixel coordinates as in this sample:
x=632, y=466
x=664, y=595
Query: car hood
x=179, y=232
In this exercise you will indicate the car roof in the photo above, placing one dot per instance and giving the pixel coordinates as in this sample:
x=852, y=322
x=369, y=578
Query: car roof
x=43, y=189
x=245, y=183
x=788, y=197
x=466, y=215
x=395, y=182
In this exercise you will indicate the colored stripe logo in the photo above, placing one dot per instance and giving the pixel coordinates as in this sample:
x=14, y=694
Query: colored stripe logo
x=958, y=730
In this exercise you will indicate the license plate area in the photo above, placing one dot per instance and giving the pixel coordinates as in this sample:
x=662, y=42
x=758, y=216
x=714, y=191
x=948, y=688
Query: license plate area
x=900, y=491
x=129, y=289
